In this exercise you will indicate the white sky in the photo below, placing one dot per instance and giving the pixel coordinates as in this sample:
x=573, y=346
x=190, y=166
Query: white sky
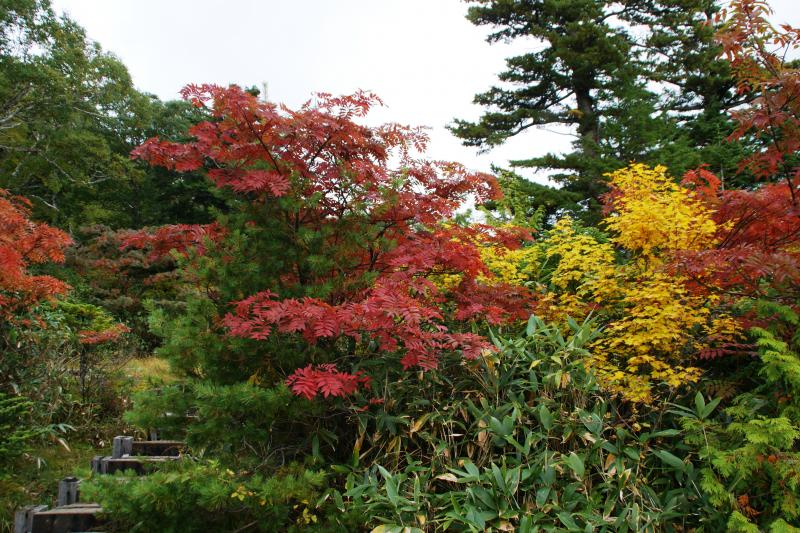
x=422, y=57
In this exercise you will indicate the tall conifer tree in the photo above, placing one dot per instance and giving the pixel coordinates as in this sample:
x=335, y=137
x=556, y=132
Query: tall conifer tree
x=630, y=78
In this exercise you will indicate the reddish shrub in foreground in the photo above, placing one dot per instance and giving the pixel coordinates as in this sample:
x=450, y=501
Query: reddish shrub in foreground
x=358, y=222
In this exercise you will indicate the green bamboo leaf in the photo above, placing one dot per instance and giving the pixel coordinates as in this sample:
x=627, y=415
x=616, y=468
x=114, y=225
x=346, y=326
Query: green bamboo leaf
x=545, y=417
x=670, y=459
x=498, y=477
x=576, y=464
x=567, y=520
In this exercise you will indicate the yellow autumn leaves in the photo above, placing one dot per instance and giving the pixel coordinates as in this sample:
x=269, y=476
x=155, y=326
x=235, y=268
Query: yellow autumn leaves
x=653, y=215
x=510, y=266
x=583, y=275
x=506, y=265
x=653, y=324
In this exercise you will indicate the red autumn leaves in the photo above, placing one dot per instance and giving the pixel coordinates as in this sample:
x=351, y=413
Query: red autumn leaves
x=24, y=243
x=382, y=210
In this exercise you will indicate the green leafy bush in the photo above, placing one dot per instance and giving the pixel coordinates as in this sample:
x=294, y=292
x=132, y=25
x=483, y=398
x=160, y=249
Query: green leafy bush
x=240, y=424
x=14, y=433
x=523, y=441
x=205, y=496
x=49, y=360
x=749, y=465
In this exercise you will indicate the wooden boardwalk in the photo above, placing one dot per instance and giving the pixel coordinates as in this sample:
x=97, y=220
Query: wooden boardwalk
x=70, y=514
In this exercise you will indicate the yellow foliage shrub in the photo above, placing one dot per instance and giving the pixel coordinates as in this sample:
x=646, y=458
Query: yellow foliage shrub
x=653, y=214
x=584, y=275
x=653, y=324
x=656, y=330
x=514, y=267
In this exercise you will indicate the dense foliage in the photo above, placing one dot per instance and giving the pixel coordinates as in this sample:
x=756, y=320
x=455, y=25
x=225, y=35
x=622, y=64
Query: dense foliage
x=25, y=243
x=528, y=441
x=69, y=117
x=347, y=244
x=206, y=496
x=303, y=299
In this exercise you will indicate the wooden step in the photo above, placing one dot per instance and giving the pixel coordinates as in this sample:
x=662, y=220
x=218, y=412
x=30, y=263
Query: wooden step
x=158, y=447
x=72, y=516
x=65, y=519
x=23, y=518
x=140, y=464
x=123, y=445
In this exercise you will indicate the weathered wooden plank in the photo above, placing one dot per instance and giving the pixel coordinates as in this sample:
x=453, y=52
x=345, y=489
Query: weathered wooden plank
x=23, y=518
x=67, y=519
x=139, y=464
x=157, y=447
x=110, y=465
x=123, y=446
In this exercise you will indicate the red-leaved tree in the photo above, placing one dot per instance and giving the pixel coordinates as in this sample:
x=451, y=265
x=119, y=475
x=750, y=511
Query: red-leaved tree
x=359, y=228
x=757, y=255
x=759, y=55
x=24, y=243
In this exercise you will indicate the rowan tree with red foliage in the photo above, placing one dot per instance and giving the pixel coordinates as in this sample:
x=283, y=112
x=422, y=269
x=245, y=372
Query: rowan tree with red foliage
x=24, y=243
x=758, y=55
x=756, y=256
x=174, y=237
x=757, y=239
x=759, y=228
x=349, y=224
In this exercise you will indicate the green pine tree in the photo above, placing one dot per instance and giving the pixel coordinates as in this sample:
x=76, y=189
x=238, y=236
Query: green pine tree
x=639, y=81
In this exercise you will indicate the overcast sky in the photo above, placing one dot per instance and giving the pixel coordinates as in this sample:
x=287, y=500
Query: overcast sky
x=422, y=57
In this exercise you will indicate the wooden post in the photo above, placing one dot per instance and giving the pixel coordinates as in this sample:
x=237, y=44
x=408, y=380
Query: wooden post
x=97, y=464
x=122, y=446
x=23, y=519
x=68, y=491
